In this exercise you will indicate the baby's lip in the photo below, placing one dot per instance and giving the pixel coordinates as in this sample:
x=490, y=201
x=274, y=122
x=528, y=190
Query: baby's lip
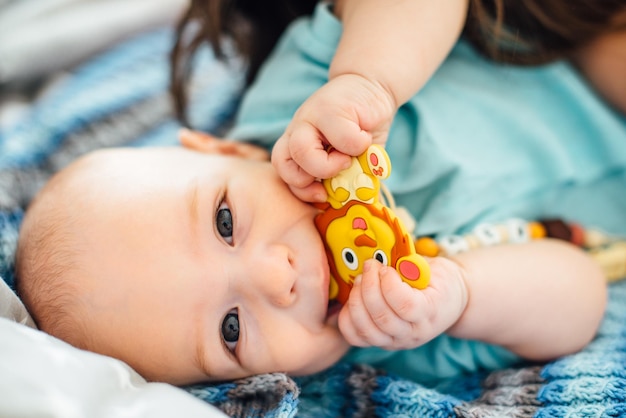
x=326, y=284
x=331, y=308
x=332, y=311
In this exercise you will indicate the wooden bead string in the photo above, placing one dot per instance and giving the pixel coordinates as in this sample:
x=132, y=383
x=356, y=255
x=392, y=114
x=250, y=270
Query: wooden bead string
x=609, y=252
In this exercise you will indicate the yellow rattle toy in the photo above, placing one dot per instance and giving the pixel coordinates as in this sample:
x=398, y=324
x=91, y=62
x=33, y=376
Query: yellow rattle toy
x=356, y=226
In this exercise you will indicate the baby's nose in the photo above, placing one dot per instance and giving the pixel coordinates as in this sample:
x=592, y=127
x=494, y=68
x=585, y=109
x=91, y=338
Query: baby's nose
x=274, y=275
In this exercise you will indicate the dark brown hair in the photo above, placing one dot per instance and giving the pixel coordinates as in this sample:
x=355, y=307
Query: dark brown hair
x=523, y=32
x=253, y=25
x=531, y=32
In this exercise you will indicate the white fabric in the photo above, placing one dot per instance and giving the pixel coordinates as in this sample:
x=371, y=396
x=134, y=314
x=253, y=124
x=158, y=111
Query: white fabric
x=43, y=376
x=38, y=37
x=11, y=307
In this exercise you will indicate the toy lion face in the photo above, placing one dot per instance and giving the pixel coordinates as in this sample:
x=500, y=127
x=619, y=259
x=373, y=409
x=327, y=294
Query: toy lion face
x=356, y=233
x=355, y=226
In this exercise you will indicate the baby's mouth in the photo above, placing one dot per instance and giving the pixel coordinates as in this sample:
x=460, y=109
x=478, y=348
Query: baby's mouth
x=333, y=308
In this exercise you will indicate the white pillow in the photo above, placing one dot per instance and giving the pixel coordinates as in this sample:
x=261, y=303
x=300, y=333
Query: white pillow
x=38, y=37
x=11, y=306
x=43, y=376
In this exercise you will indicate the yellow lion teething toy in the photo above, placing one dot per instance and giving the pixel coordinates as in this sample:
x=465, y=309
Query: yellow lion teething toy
x=356, y=226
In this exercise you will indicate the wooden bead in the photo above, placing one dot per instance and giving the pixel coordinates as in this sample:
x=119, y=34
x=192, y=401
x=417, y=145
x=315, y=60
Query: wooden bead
x=556, y=228
x=612, y=260
x=452, y=245
x=427, y=246
x=536, y=230
x=578, y=235
x=595, y=238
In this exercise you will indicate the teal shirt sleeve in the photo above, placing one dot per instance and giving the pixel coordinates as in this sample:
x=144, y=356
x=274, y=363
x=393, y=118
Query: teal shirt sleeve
x=442, y=358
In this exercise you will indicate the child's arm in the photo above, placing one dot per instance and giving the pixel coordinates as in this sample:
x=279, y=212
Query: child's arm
x=603, y=62
x=387, y=52
x=541, y=300
x=396, y=44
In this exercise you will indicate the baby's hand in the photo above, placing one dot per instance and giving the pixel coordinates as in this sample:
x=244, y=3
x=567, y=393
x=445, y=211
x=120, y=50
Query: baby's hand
x=385, y=312
x=345, y=116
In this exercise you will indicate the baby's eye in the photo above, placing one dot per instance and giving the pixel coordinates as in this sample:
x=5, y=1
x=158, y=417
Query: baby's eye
x=230, y=330
x=224, y=223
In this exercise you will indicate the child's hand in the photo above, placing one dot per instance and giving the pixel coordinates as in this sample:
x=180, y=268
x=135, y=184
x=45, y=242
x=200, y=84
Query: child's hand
x=385, y=312
x=348, y=113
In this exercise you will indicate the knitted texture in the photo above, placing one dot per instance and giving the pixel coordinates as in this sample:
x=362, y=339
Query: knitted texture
x=120, y=98
x=591, y=383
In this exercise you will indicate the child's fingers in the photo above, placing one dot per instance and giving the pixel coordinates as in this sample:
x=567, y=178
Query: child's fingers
x=314, y=192
x=303, y=185
x=287, y=168
x=307, y=147
x=344, y=135
x=407, y=303
x=433, y=310
x=374, y=300
x=357, y=326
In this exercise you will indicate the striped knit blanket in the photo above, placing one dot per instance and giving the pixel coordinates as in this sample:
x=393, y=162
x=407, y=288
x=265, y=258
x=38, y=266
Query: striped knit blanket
x=120, y=98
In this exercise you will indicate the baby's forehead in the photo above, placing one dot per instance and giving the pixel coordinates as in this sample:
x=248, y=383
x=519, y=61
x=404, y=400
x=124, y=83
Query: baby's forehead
x=145, y=159
x=108, y=177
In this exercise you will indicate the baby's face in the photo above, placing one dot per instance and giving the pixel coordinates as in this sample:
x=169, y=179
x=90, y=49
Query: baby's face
x=203, y=267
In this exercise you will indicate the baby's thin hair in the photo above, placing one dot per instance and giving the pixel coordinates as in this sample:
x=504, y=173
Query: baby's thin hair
x=45, y=267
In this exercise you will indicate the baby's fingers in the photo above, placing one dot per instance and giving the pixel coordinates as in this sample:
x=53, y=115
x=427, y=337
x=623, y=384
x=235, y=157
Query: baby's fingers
x=308, y=148
x=314, y=192
x=381, y=313
x=344, y=134
x=287, y=168
x=357, y=326
x=406, y=302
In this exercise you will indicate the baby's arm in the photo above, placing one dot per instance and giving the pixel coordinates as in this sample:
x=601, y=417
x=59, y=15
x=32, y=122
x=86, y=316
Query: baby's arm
x=387, y=52
x=541, y=300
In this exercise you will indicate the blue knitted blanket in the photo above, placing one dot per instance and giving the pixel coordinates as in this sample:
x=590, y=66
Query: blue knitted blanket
x=120, y=98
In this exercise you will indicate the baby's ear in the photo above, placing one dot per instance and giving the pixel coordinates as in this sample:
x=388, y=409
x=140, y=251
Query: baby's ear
x=203, y=142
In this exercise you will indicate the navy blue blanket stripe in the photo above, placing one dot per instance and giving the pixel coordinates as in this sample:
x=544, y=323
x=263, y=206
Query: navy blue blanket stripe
x=591, y=383
x=111, y=84
x=9, y=225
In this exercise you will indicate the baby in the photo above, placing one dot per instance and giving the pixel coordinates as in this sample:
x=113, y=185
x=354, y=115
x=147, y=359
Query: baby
x=197, y=263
